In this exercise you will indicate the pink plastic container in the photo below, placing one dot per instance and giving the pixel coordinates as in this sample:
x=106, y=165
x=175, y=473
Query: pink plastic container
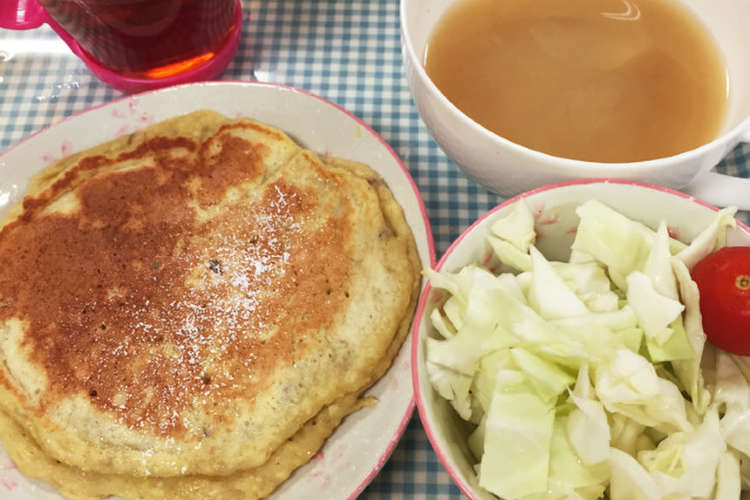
x=29, y=14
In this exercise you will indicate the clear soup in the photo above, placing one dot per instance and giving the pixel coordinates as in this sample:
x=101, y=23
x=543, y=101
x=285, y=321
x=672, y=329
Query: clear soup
x=595, y=80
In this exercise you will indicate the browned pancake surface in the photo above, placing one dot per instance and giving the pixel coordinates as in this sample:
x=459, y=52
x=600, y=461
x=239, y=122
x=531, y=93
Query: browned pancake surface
x=167, y=289
x=110, y=313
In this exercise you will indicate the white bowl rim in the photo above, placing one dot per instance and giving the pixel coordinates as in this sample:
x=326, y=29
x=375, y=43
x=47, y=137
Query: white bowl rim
x=419, y=315
x=406, y=418
x=560, y=162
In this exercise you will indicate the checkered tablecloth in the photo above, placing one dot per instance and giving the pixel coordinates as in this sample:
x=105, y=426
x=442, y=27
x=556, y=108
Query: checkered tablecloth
x=349, y=52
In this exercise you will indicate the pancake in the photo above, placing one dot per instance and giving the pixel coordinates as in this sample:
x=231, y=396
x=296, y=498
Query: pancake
x=182, y=307
x=242, y=485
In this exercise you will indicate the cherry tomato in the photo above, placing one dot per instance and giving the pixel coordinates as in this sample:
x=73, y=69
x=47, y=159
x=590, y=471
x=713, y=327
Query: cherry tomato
x=723, y=279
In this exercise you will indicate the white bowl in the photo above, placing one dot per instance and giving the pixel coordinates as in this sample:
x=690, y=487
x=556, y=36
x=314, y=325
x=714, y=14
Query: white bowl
x=554, y=211
x=509, y=168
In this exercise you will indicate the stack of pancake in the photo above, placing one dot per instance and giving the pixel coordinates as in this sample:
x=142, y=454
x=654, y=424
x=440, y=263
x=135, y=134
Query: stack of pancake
x=188, y=312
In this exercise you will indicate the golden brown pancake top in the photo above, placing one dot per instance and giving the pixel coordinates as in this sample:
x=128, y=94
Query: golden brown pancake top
x=146, y=308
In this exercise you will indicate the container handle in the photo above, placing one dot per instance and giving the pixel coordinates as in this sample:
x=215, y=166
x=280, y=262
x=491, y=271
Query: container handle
x=21, y=14
x=721, y=190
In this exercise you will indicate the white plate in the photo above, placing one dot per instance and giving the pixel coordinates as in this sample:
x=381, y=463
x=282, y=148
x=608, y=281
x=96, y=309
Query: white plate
x=362, y=444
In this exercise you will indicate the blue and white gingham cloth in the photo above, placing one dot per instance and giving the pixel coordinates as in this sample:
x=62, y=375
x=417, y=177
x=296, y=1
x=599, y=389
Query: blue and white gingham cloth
x=347, y=51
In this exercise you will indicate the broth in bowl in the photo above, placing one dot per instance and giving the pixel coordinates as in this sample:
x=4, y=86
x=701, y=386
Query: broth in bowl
x=594, y=80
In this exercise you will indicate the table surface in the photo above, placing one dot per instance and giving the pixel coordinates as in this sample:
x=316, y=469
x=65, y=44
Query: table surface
x=347, y=51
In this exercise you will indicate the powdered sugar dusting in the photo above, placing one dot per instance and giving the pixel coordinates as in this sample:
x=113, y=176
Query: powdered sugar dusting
x=173, y=311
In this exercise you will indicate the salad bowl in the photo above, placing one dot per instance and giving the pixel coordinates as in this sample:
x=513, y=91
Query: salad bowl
x=442, y=391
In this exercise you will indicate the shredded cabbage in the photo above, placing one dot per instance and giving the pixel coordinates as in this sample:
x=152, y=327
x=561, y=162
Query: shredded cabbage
x=733, y=391
x=548, y=293
x=655, y=311
x=588, y=428
x=517, y=439
x=509, y=254
x=588, y=378
x=517, y=228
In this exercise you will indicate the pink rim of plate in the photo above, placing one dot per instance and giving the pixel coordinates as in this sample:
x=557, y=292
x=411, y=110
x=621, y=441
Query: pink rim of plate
x=423, y=212
x=207, y=71
x=415, y=341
